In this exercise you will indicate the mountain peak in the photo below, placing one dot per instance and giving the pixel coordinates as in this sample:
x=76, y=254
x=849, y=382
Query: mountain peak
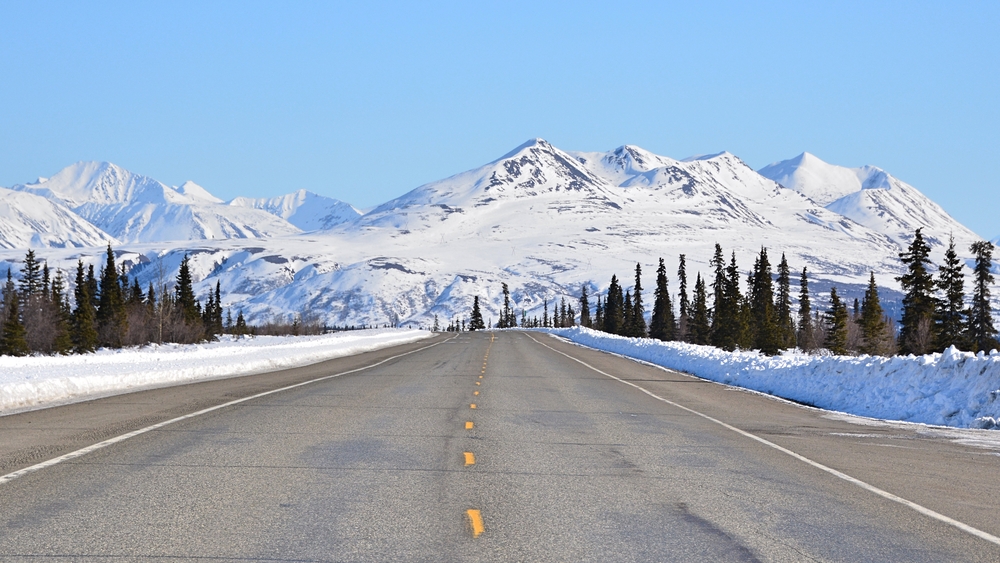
x=196, y=192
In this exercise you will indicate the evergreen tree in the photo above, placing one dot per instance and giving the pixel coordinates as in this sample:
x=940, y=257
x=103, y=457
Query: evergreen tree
x=638, y=320
x=241, y=325
x=30, y=283
x=614, y=305
x=476, y=320
x=719, y=313
x=729, y=328
x=872, y=321
x=806, y=339
x=563, y=321
x=916, y=332
x=700, y=330
x=14, y=341
x=112, y=320
x=627, y=311
x=766, y=336
x=662, y=324
x=599, y=315
x=584, y=307
x=783, y=305
x=545, y=312
x=981, y=333
x=507, y=318
x=836, y=319
x=950, y=311
x=83, y=332
x=62, y=342
x=684, y=306
x=92, y=288
x=184, y=293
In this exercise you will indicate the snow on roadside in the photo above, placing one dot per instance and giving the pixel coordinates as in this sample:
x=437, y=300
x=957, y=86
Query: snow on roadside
x=954, y=388
x=40, y=381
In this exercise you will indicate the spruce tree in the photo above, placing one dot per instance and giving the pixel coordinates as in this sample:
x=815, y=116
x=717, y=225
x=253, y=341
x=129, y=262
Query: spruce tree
x=638, y=328
x=720, y=315
x=729, y=328
x=62, y=342
x=766, y=335
x=950, y=313
x=806, y=339
x=241, y=325
x=507, y=314
x=981, y=332
x=599, y=315
x=584, y=307
x=700, y=329
x=683, y=305
x=628, y=324
x=184, y=293
x=872, y=321
x=836, y=319
x=662, y=324
x=783, y=305
x=916, y=334
x=30, y=283
x=476, y=319
x=112, y=319
x=83, y=331
x=93, y=290
x=614, y=304
x=14, y=342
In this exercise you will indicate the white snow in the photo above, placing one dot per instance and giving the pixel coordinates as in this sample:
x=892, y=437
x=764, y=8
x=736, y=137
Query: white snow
x=41, y=381
x=954, y=388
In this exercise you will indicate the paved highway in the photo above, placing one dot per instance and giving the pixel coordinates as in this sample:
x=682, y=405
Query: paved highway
x=484, y=447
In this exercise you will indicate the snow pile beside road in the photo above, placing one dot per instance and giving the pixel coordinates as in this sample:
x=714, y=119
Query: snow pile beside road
x=37, y=381
x=953, y=388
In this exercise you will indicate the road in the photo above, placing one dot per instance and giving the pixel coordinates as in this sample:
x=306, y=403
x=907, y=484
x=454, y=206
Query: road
x=510, y=446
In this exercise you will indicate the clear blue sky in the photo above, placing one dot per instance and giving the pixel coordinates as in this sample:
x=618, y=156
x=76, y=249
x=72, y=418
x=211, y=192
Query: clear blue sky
x=365, y=101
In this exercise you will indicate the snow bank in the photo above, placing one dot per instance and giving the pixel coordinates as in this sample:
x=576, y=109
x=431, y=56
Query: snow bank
x=953, y=388
x=39, y=381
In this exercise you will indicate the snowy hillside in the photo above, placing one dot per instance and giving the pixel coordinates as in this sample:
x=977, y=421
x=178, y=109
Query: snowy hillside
x=871, y=197
x=136, y=208
x=543, y=220
x=31, y=221
x=304, y=209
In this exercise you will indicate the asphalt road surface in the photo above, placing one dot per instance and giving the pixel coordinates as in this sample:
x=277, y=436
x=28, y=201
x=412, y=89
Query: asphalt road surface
x=484, y=447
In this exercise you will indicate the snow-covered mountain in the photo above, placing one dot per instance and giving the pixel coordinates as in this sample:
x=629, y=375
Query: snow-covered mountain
x=543, y=220
x=31, y=221
x=304, y=209
x=136, y=208
x=870, y=196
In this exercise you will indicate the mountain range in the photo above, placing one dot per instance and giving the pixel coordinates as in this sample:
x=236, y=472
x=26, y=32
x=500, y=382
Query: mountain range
x=543, y=220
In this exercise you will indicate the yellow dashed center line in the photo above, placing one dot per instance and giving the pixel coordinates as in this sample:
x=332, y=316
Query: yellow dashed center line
x=477, y=383
x=476, y=520
x=475, y=392
x=472, y=406
x=469, y=425
x=469, y=459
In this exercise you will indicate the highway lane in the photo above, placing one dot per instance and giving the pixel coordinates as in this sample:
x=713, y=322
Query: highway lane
x=560, y=463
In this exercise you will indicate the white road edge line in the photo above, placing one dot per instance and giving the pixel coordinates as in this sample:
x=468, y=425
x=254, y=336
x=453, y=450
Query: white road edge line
x=871, y=488
x=93, y=447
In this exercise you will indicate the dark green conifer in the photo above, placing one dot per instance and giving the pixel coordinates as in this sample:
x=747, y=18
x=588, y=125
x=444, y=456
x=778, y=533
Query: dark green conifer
x=62, y=342
x=662, y=324
x=981, y=332
x=683, y=305
x=614, y=305
x=916, y=334
x=476, y=319
x=700, y=330
x=783, y=305
x=184, y=293
x=15, y=337
x=872, y=321
x=599, y=315
x=83, y=331
x=112, y=318
x=806, y=338
x=836, y=319
x=637, y=322
x=584, y=308
x=30, y=283
x=766, y=335
x=951, y=312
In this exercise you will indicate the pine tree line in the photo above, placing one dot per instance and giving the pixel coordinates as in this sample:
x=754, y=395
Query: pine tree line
x=45, y=314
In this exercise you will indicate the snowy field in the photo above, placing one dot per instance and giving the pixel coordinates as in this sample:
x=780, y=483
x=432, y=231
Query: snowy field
x=40, y=381
x=957, y=389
